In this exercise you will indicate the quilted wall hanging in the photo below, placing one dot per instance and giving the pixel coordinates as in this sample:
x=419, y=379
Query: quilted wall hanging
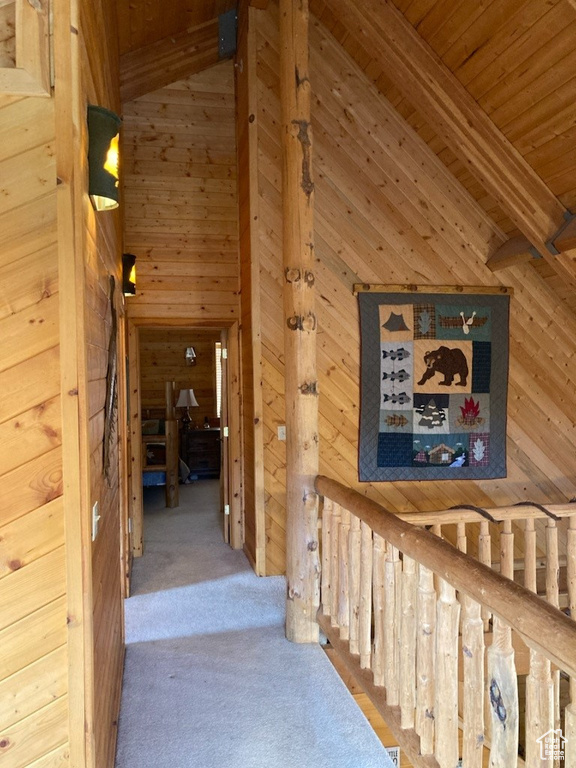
x=434, y=380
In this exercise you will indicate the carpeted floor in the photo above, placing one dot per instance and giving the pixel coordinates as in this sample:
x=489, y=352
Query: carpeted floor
x=210, y=681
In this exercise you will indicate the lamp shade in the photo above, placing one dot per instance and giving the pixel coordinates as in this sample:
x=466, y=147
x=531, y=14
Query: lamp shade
x=103, y=157
x=190, y=356
x=186, y=398
x=128, y=274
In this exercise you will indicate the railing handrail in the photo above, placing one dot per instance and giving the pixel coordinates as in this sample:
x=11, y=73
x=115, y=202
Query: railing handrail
x=544, y=628
x=498, y=514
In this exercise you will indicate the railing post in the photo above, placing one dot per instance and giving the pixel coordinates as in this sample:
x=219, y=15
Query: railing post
x=335, y=563
x=343, y=586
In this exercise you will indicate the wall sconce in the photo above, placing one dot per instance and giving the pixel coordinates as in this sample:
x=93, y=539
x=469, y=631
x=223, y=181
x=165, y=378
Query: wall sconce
x=128, y=274
x=190, y=356
x=103, y=157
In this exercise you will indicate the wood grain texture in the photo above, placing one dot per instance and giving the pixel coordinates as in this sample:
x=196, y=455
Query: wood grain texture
x=181, y=201
x=388, y=211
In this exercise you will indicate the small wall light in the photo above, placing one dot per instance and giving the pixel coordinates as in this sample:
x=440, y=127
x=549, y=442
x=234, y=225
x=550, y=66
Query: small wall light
x=190, y=356
x=128, y=274
x=103, y=157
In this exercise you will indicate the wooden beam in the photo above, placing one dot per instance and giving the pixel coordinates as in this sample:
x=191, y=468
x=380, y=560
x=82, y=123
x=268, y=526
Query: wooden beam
x=517, y=250
x=260, y=4
x=302, y=556
x=457, y=118
x=566, y=239
x=168, y=60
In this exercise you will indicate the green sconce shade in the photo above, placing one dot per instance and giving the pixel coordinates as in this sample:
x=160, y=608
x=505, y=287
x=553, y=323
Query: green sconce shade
x=128, y=274
x=103, y=157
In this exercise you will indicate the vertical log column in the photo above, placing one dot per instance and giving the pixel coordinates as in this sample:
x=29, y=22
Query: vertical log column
x=302, y=563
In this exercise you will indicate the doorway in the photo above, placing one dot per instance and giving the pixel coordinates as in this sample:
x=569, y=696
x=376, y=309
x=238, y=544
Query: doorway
x=202, y=366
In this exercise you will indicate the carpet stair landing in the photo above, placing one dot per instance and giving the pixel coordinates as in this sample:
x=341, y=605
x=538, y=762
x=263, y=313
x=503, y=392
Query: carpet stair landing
x=210, y=680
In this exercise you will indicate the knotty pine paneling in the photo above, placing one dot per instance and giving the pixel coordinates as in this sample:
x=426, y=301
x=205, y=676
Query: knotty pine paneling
x=387, y=210
x=181, y=200
x=162, y=358
x=34, y=669
x=100, y=84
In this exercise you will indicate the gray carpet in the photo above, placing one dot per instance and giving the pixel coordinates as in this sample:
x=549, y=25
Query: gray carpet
x=210, y=681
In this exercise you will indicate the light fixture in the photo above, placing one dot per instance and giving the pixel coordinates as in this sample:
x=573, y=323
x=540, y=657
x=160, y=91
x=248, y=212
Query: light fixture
x=103, y=157
x=190, y=356
x=128, y=274
x=186, y=399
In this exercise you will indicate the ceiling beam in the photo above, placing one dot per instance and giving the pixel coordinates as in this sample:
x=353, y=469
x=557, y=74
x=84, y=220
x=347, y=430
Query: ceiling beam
x=168, y=60
x=457, y=118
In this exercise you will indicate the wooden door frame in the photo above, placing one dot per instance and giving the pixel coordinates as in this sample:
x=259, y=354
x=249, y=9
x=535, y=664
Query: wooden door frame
x=234, y=441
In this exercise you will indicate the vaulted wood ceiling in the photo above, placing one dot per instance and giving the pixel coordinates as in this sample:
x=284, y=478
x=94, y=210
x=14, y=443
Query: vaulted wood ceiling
x=490, y=86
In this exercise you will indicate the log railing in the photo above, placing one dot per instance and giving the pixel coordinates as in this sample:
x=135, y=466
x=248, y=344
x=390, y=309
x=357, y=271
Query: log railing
x=437, y=637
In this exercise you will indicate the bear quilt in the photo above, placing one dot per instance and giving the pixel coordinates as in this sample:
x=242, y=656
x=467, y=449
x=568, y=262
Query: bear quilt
x=434, y=378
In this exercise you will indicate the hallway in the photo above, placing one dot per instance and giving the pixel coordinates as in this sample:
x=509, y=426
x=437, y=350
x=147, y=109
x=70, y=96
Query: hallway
x=210, y=680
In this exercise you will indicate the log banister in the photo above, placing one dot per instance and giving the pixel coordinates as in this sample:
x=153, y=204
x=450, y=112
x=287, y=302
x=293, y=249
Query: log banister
x=543, y=627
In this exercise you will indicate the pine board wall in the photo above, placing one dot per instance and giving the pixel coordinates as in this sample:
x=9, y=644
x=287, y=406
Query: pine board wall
x=33, y=636
x=387, y=211
x=103, y=244
x=181, y=213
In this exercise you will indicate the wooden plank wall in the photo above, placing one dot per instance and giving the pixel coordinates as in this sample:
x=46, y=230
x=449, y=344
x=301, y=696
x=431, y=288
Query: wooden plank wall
x=251, y=346
x=8, y=35
x=33, y=635
x=387, y=211
x=100, y=81
x=162, y=358
x=181, y=201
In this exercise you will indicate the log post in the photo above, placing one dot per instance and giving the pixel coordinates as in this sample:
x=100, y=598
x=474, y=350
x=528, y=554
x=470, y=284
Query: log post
x=171, y=432
x=425, y=663
x=392, y=608
x=407, y=684
x=446, y=688
x=302, y=566
x=553, y=597
x=335, y=563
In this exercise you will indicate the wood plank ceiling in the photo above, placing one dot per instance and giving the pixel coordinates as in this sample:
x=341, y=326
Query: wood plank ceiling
x=515, y=60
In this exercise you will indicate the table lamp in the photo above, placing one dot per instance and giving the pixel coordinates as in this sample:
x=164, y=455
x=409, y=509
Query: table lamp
x=186, y=399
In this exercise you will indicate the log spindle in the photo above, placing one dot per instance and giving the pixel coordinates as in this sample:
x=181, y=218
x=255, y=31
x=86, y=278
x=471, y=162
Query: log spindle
x=343, y=586
x=570, y=712
x=473, y=674
x=365, y=618
x=407, y=643
x=425, y=662
x=485, y=557
x=446, y=693
x=354, y=544
x=326, y=555
x=335, y=565
x=502, y=679
x=539, y=684
x=392, y=614
x=378, y=590
x=553, y=597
